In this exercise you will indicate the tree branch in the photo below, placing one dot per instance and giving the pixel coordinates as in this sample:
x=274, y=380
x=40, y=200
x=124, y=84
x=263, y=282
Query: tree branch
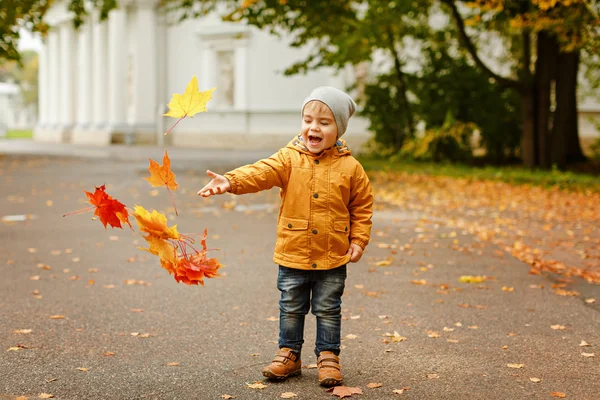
x=468, y=43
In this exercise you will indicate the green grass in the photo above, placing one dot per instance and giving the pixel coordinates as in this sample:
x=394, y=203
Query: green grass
x=512, y=174
x=19, y=134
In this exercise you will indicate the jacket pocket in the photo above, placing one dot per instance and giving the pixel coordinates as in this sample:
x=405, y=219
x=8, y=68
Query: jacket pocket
x=338, y=240
x=294, y=237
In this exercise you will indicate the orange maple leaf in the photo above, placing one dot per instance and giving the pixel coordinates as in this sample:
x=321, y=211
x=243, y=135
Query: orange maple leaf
x=110, y=211
x=161, y=175
x=344, y=391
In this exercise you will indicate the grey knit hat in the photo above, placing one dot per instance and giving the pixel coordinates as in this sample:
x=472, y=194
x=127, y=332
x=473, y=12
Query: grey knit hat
x=340, y=103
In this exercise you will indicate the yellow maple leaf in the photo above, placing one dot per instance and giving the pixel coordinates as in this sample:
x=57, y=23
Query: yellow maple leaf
x=155, y=224
x=161, y=248
x=188, y=104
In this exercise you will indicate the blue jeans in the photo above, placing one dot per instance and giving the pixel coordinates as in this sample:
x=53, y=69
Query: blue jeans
x=302, y=290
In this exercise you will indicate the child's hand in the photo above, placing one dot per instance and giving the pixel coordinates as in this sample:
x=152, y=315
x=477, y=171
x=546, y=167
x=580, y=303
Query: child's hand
x=218, y=185
x=355, y=252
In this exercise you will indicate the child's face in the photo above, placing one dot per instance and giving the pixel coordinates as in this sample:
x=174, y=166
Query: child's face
x=319, y=130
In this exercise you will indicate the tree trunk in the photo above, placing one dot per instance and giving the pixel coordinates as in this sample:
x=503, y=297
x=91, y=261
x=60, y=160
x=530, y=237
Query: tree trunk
x=528, y=134
x=545, y=67
x=565, y=130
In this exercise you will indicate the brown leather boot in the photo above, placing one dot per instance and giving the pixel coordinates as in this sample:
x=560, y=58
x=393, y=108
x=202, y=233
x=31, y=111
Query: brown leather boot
x=330, y=371
x=285, y=364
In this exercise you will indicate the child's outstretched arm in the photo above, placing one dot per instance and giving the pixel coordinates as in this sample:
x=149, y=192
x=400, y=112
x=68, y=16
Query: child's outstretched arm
x=218, y=185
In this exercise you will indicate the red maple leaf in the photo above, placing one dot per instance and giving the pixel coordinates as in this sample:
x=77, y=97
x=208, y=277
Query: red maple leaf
x=110, y=211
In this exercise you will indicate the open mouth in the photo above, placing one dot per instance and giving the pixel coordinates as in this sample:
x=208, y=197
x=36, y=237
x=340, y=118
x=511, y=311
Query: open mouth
x=314, y=140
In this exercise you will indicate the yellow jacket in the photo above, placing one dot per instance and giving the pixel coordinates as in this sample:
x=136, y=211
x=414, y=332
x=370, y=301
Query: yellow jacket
x=326, y=203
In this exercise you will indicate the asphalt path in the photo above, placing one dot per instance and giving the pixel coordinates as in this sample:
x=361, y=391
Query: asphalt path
x=131, y=332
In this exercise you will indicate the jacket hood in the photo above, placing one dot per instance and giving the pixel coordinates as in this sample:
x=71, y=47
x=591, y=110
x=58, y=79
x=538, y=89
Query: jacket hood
x=339, y=149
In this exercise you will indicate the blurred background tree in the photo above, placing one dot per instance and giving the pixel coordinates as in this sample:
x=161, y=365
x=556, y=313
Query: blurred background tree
x=418, y=71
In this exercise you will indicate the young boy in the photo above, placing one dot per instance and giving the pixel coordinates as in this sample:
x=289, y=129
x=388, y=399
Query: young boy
x=324, y=222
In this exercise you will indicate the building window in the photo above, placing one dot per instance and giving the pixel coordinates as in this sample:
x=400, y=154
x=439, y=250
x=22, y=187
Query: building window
x=225, y=78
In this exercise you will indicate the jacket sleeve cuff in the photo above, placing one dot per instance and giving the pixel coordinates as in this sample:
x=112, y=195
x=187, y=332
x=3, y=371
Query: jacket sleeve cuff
x=233, y=182
x=361, y=243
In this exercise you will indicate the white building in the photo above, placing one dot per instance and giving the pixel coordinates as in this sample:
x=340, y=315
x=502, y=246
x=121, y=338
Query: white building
x=14, y=113
x=111, y=81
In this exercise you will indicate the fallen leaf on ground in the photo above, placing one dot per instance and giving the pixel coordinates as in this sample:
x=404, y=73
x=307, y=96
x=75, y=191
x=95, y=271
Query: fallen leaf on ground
x=515, y=365
x=173, y=364
x=433, y=376
x=257, y=385
x=590, y=301
x=419, y=282
x=57, y=317
x=311, y=366
x=396, y=337
x=383, y=263
x=288, y=395
x=398, y=391
x=351, y=336
x=558, y=394
x=471, y=279
x=227, y=396
x=584, y=343
x=374, y=385
x=558, y=327
x=344, y=391
x=588, y=354
x=83, y=369
x=109, y=353
x=23, y=331
x=46, y=396
x=535, y=380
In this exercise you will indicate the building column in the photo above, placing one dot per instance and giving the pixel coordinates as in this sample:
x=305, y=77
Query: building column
x=85, y=43
x=117, y=71
x=144, y=71
x=68, y=80
x=43, y=81
x=54, y=79
x=99, y=78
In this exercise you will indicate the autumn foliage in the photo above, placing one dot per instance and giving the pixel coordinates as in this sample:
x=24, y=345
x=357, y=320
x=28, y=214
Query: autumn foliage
x=176, y=252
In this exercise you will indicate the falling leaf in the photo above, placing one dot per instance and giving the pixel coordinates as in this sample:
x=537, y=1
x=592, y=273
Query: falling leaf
x=191, y=102
x=344, y=391
x=374, y=385
x=257, y=385
x=288, y=395
x=57, y=317
x=173, y=364
x=23, y=331
x=558, y=394
x=110, y=211
x=535, y=380
x=161, y=175
x=518, y=366
x=155, y=224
